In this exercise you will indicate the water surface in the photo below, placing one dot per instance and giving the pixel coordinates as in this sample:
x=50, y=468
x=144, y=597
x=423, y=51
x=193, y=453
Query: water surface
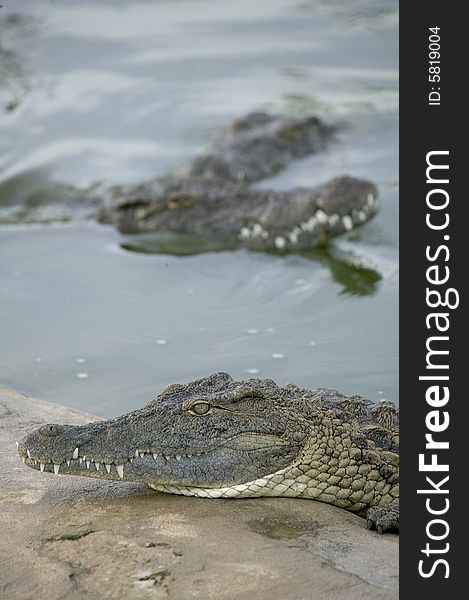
x=105, y=92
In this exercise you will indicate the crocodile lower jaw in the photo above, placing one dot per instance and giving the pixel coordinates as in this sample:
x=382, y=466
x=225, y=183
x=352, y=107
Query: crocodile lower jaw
x=276, y=484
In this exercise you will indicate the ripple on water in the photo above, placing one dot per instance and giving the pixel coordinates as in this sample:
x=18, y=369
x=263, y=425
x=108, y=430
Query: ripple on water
x=252, y=371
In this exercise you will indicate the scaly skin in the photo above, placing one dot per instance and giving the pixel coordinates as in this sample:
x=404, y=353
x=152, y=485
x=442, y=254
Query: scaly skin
x=220, y=438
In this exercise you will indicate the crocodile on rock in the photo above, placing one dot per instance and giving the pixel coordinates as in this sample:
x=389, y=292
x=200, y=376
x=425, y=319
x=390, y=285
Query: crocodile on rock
x=220, y=438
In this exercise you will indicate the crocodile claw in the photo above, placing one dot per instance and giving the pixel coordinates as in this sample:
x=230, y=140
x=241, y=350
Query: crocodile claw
x=383, y=518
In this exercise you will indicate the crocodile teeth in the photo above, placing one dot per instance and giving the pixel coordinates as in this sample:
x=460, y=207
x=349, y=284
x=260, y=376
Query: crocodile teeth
x=35, y=462
x=56, y=468
x=80, y=460
x=321, y=217
x=97, y=465
x=142, y=454
x=120, y=471
x=41, y=466
x=136, y=454
x=131, y=460
x=155, y=455
x=347, y=222
x=23, y=459
x=28, y=453
x=17, y=444
x=280, y=242
x=108, y=467
x=178, y=457
x=88, y=462
x=166, y=456
x=68, y=463
x=75, y=454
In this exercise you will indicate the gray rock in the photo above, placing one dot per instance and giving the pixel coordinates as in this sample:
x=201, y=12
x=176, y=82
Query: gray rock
x=65, y=537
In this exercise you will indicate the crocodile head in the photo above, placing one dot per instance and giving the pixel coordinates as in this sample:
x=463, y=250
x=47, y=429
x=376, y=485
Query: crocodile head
x=211, y=195
x=260, y=219
x=210, y=433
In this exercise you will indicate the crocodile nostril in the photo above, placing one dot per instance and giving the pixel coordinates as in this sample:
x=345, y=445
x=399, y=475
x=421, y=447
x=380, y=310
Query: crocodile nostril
x=50, y=430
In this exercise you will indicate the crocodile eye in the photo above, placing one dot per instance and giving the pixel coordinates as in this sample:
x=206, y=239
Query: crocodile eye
x=200, y=408
x=50, y=430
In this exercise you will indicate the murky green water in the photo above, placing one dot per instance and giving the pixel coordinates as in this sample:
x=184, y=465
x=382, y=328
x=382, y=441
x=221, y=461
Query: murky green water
x=122, y=91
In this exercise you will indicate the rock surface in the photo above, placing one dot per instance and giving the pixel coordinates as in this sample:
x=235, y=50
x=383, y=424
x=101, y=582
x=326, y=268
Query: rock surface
x=77, y=538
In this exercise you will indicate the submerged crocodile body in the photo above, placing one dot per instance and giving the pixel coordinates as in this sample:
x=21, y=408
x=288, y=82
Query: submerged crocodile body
x=210, y=195
x=220, y=438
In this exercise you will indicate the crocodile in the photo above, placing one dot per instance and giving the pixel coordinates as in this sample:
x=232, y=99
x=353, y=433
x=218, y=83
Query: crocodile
x=221, y=438
x=211, y=195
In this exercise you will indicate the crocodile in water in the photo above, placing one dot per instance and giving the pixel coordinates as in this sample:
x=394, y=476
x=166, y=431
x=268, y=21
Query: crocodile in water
x=211, y=196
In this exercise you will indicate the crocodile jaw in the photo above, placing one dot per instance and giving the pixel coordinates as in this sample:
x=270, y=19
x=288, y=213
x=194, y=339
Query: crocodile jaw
x=276, y=484
x=228, y=461
x=306, y=219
